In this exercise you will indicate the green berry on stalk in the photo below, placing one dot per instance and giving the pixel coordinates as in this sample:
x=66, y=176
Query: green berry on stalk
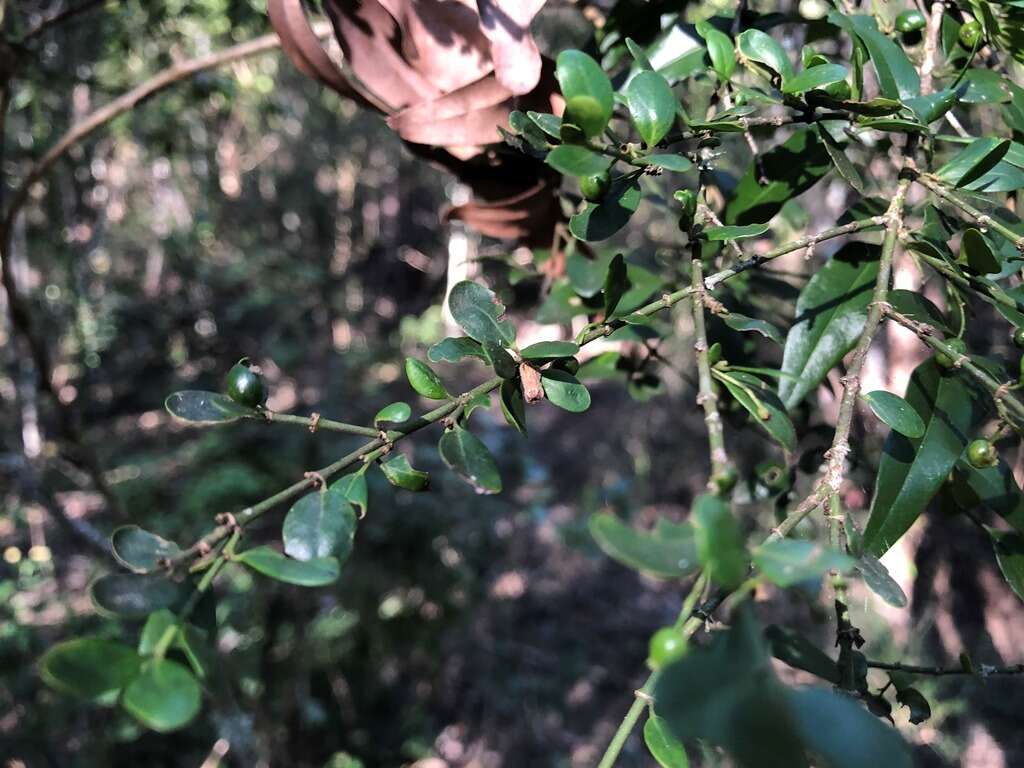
x=596, y=186
x=1018, y=337
x=970, y=34
x=667, y=646
x=773, y=476
x=958, y=347
x=910, y=21
x=244, y=385
x=982, y=454
x=725, y=481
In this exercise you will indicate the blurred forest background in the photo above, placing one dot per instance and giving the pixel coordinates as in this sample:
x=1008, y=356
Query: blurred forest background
x=248, y=211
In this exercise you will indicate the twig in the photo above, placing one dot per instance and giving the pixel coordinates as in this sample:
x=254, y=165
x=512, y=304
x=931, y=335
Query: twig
x=316, y=422
x=931, y=44
x=706, y=397
x=983, y=219
x=983, y=670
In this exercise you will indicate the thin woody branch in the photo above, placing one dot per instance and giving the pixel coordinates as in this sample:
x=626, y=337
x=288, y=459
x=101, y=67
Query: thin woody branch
x=957, y=201
x=983, y=670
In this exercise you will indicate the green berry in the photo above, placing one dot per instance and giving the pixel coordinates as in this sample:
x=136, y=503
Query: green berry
x=725, y=481
x=910, y=21
x=1018, y=337
x=595, y=187
x=970, y=34
x=244, y=385
x=773, y=476
x=981, y=453
x=667, y=646
x=956, y=345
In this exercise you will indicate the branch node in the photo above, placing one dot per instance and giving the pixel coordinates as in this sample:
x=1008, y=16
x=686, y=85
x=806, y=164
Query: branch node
x=314, y=422
x=317, y=478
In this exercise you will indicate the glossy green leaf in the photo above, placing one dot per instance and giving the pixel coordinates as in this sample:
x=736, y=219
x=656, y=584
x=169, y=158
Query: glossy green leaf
x=353, y=488
x=500, y=360
x=815, y=77
x=565, y=390
x=452, y=350
x=549, y=350
x=638, y=54
x=992, y=487
x=424, y=380
x=599, y=221
x=830, y=315
x=589, y=99
x=513, y=405
x=667, y=551
x=478, y=312
x=198, y=407
x=401, y=475
x=1002, y=177
x=676, y=163
x=89, y=667
x=877, y=577
x=133, y=596
x=665, y=748
x=792, y=648
x=576, y=160
x=985, y=86
x=320, y=524
x=467, y=456
x=716, y=234
x=742, y=323
x=838, y=729
x=914, y=700
x=919, y=308
x=891, y=125
x=912, y=470
x=157, y=623
x=787, y=562
x=720, y=50
x=652, y=106
x=139, y=550
x=895, y=411
x=930, y=108
x=896, y=75
x=972, y=162
x=304, y=573
x=755, y=45
x=616, y=283
x=977, y=253
x=789, y=169
x=720, y=548
x=396, y=413
x=842, y=163
x=764, y=406
x=1009, y=549
x=550, y=124
x=165, y=696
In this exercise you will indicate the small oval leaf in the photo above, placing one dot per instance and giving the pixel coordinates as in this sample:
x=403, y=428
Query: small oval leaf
x=896, y=412
x=565, y=390
x=89, y=667
x=466, y=455
x=424, y=380
x=140, y=551
x=199, y=407
x=164, y=697
x=303, y=573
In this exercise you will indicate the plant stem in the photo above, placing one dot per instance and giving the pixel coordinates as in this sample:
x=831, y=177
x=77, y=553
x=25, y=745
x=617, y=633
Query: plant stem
x=249, y=514
x=983, y=219
x=315, y=423
x=1000, y=391
x=914, y=669
x=687, y=623
x=706, y=396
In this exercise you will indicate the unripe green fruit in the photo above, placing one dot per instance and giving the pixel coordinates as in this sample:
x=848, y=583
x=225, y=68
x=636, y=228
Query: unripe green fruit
x=982, y=454
x=596, y=186
x=1018, y=337
x=667, y=646
x=773, y=476
x=725, y=481
x=910, y=21
x=958, y=346
x=970, y=34
x=244, y=385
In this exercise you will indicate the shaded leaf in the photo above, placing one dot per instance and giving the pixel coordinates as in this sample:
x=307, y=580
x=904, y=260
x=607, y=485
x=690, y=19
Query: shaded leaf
x=304, y=573
x=830, y=315
x=896, y=412
x=676, y=163
x=1009, y=549
x=792, y=648
x=89, y=667
x=478, y=312
x=513, y=405
x=353, y=488
x=973, y=161
x=764, y=406
x=912, y=699
x=877, y=577
x=576, y=160
x=401, y=475
x=720, y=548
x=133, y=596
x=139, y=550
x=663, y=746
x=896, y=75
x=565, y=390
x=320, y=524
x=668, y=551
x=424, y=380
x=918, y=307
x=500, y=360
x=165, y=696
x=652, y=106
x=599, y=221
x=734, y=232
x=742, y=323
x=198, y=407
x=842, y=163
x=616, y=283
x=912, y=470
x=467, y=456
x=787, y=562
x=549, y=350
x=452, y=350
